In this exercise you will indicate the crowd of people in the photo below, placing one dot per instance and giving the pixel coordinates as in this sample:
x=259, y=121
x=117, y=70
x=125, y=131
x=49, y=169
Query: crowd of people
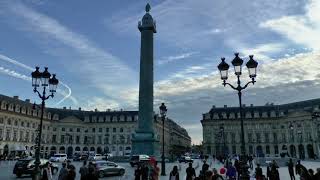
x=148, y=170
x=68, y=171
x=232, y=171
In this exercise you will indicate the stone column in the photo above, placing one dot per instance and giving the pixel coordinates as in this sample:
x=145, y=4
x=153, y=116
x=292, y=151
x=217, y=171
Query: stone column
x=144, y=140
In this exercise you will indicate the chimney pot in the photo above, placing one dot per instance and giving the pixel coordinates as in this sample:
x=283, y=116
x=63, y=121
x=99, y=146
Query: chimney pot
x=79, y=108
x=28, y=100
x=15, y=97
x=64, y=108
x=225, y=106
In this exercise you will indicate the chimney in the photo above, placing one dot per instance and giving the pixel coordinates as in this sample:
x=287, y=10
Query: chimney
x=95, y=110
x=108, y=110
x=79, y=108
x=15, y=97
x=121, y=110
x=243, y=105
x=69, y=107
x=28, y=100
x=251, y=105
x=213, y=106
x=64, y=108
x=225, y=106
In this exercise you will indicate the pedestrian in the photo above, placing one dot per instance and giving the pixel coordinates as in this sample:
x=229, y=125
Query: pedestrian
x=258, y=172
x=291, y=170
x=237, y=166
x=71, y=173
x=83, y=170
x=231, y=172
x=91, y=165
x=205, y=166
x=174, y=174
x=137, y=173
x=208, y=175
x=144, y=171
x=311, y=174
x=191, y=173
x=250, y=162
x=317, y=175
x=298, y=167
x=69, y=164
x=155, y=170
x=274, y=173
x=46, y=173
x=216, y=176
x=91, y=175
x=269, y=171
x=63, y=172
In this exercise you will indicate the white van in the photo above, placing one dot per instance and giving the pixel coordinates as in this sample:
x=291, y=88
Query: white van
x=58, y=158
x=96, y=157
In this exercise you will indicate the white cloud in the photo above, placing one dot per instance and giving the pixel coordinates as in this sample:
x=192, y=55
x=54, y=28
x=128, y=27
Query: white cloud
x=96, y=66
x=169, y=59
x=301, y=29
x=30, y=69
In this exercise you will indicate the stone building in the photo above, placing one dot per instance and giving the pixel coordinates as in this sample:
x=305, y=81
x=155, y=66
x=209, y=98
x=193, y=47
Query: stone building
x=76, y=131
x=270, y=130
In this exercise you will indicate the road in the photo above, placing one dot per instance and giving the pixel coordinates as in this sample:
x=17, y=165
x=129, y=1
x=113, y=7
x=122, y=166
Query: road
x=6, y=168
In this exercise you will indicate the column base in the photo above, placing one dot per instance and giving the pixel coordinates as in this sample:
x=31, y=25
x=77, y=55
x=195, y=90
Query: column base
x=145, y=143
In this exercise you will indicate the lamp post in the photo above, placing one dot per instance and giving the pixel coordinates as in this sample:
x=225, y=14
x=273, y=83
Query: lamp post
x=252, y=68
x=163, y=112
x=43, y=79
x=224, y=141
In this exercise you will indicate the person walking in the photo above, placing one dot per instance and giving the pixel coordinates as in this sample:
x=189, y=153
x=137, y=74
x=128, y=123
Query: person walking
x=231, y=172
x=237, y=166
x=71, y=173
x=46, y=173
x=290, y=169
x=258, y=172
x=63, y=172
x=191, y=173
x=174, y=174
x=83, y=170
x=144, y=171
x=274, y=173
x=299, y=167
x=91, y=175
x=137, y=173
x=216, y=175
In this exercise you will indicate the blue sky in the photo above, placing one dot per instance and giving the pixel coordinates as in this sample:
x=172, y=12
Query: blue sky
x=93, y=47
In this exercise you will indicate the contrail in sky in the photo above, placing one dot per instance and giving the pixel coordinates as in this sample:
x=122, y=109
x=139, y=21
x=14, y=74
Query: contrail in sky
x=27, y=78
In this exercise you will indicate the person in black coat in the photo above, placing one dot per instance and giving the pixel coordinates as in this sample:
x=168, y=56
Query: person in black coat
x=291, y=170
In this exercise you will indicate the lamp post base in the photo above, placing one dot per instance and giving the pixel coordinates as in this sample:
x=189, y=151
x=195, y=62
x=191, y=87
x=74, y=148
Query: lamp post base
x=163, y=167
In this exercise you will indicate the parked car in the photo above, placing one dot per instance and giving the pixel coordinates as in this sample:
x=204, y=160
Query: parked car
x=137, y=159
x=185, y=159
x=26, y=166
x=108, y=168
x=96, y=157
x=58, y=158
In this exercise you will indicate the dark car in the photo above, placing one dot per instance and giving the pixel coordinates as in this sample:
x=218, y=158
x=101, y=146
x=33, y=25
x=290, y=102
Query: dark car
x=77, y=157
x=26, y=166
x=105, y=168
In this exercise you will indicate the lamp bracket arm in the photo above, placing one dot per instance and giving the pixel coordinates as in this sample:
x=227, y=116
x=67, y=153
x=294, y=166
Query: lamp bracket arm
x=225, y=83
x=245, y=86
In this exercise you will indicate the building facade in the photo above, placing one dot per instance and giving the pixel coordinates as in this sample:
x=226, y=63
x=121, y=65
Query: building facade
x=270, y=130
x=76, y=131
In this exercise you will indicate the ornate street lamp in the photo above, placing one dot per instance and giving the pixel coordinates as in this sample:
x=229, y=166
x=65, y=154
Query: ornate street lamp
x=291, y=128
x=43, y=79
x=163, y=112
x=252, y=68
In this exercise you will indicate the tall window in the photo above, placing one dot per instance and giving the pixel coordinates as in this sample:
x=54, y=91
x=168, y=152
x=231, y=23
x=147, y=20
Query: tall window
x=100, y=129
x=284, y=139
x=266, y=136
x=107, y=129
x=250, y=137
x=233, y=137
x=267, y=149
x=77, y=139
x=54, y=138
x=27, y=137
x=106, y=139
x=1, y=134
x=114, y=130
x=276, y=149
x=21, y=136
x=258, y=137
x=15, y=135
x=62, y=139
x=275, y=138
x=99, y=139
